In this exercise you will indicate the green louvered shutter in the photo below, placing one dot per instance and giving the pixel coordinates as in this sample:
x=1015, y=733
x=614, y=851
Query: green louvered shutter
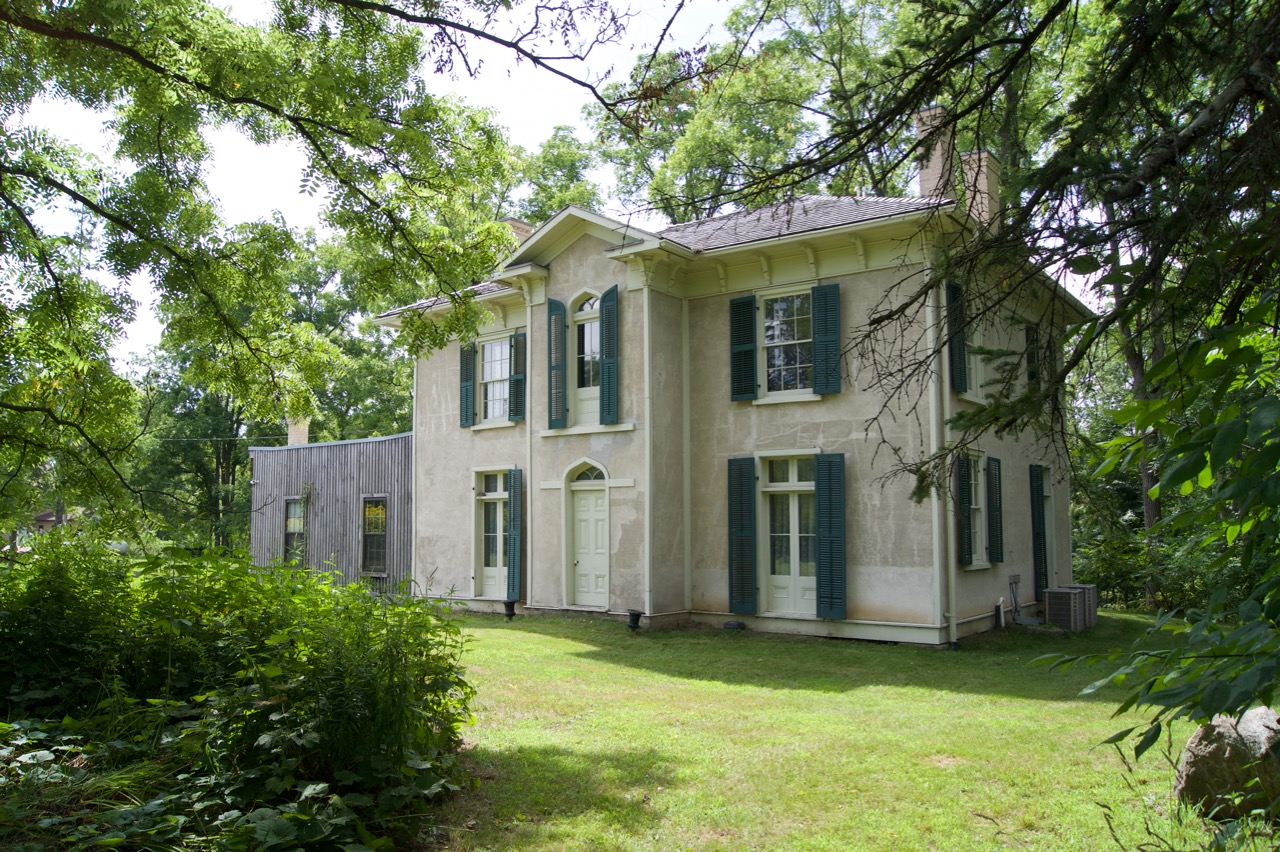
x=515, y=405
x=557, y=391
x=515, y=534
x=742, y=348
x=467, y=384
x=1039, y=551
x=609, y=357
x=826, y=339
x=995, y=512
x=1033, y=355
x=742, y=536
x=964, y=509
x=957, y=320
x=829, y=492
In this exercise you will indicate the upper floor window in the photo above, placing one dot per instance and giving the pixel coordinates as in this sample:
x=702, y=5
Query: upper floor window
x=788, y=342
x=586, y=323
x=495, y=379
x=785, y=343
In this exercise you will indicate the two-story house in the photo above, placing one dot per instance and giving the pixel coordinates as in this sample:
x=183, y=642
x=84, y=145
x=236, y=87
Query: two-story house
x=674, y=422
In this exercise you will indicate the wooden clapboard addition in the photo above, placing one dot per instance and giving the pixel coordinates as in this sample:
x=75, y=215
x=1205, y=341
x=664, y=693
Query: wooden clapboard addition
x=343, y=487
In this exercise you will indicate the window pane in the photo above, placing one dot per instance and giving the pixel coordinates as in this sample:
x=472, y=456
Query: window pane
x=805, y=468
x=780, y=555
x=779, y=470
x=589, y=354
x=808, y=514
x=780, y=513
x=808, y=556
x=491, y=483
x=375, y=516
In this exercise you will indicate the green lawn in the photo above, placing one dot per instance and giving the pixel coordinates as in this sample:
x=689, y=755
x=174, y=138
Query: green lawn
x=588, y=737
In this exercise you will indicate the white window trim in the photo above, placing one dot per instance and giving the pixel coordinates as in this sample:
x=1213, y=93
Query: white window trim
x=975, y=339
x=578, y=395
x=766, y=396
x=763, y=489
x=483, y=422
x=477, y=527
x=978, y=511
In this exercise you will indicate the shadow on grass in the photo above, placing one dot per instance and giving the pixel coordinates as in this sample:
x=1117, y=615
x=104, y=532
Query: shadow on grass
x=533, y=796
x=988, y=664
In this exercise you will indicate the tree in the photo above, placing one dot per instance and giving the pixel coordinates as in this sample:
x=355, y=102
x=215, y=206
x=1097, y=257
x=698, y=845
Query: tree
x=342, y=79
x=557, y=176
x=1154, y=178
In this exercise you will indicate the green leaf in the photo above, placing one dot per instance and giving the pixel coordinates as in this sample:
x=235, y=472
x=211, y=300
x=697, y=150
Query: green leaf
x=1118, y=736
x=1227, y=443
x=1215, y=698
x=1083, y=264
x=1148, y=739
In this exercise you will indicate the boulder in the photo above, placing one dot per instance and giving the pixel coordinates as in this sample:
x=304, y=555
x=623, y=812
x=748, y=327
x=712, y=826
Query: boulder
x=1228, y=767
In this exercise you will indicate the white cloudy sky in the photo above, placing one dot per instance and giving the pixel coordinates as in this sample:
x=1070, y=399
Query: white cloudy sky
x=251, y=182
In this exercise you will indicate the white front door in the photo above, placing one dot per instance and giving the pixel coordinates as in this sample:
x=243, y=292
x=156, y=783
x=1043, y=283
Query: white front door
x=589, y=574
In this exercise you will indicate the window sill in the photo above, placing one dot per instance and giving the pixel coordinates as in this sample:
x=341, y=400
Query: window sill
x=587, y=430
x=971, y=396
x=497, y=424
x=778, y=399
x=977, y=566
x=373, y=573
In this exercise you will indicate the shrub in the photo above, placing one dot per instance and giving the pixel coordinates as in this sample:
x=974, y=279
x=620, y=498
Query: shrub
x=258, y=706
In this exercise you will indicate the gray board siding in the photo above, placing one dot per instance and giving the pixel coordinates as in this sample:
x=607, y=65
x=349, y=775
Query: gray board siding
x=333, y=479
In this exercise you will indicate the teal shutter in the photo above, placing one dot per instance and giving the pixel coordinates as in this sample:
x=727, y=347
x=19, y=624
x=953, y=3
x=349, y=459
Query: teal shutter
x=1033, y=355
x=467, y=384
x=742, y=348
x=995, y=512
x=829, y=492
x=515, y=535
x=826, y=339
x=557, y=390
x=957, y=320
x=964, y=509
x=742, y=536
x=515, y=404
x=1039, y=551
x=609, y=357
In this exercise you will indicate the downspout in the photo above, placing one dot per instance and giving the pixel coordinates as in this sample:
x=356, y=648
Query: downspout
x=529, y=486
x=687, y=460
x=944, y=499
x=648, y=445
x=414, y=504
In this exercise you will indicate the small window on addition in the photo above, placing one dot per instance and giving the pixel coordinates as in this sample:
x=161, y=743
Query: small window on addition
x=295, y=531
x=373, y=559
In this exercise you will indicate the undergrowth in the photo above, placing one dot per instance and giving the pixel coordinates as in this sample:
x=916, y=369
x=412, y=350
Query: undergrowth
x=199, y=702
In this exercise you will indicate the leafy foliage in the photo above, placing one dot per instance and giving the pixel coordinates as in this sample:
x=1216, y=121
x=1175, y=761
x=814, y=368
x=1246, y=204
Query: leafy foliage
x=201, y=697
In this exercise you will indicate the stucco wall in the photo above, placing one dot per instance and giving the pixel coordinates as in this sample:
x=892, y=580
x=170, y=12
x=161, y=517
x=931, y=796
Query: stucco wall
x=667, y=535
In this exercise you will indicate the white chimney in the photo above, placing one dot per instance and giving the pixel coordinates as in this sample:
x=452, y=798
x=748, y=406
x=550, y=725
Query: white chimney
x=980, y=172
x=299, y=430
x=937, y=161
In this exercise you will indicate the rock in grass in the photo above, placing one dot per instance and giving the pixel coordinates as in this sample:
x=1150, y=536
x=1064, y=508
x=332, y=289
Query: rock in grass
x=1230, y=768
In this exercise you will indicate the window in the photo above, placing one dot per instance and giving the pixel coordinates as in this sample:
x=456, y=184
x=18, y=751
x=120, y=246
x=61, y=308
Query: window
x=801, y=530
x=979, y=510
x=495, y=379
x=373, y=549
x=1032, y=354
x=793, y=343
x=585, y=334
x=501, y=376
x=498, y=509
x=1042, y=545
x=295, y=531
x=965, y=341
x=792, y=563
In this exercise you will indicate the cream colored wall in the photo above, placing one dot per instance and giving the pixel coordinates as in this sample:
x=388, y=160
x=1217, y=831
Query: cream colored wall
x=891, y=573
x=667, y=532
x=443, y=478
x=620, y=452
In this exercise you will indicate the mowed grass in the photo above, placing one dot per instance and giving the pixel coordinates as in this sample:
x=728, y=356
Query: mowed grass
x=589, y=737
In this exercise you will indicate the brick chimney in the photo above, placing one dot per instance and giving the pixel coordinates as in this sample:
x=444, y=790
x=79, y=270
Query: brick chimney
x=980, y=171
x=937, y=161
x=519, y=227
x=299, y=430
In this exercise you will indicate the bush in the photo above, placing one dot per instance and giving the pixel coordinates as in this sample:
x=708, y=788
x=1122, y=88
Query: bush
x=200, y=696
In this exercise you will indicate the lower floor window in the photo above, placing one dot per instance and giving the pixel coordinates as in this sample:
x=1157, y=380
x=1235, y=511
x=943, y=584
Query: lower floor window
x=374, y=546
x=295, y=531
x=492, y=496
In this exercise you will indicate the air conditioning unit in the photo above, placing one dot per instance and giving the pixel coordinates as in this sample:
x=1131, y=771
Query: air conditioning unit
x=1065, y=608
x=1090, y=601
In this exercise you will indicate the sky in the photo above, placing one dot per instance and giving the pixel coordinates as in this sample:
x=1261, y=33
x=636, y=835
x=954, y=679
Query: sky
x=251, y=182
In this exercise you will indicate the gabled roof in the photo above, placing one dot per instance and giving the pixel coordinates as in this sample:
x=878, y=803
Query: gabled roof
x=478, y=290
x=806, y=214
